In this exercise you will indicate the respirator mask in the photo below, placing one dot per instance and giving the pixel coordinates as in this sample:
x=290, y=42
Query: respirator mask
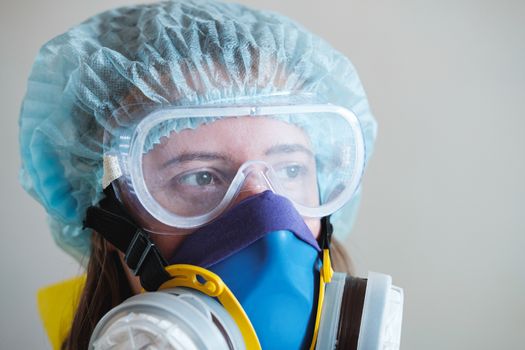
x=247, y=191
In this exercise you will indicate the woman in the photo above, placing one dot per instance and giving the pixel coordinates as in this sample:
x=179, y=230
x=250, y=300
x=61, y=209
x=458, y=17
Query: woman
x=91, y=87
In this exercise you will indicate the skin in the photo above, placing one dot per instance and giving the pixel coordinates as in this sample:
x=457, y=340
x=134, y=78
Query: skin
x=197, y=164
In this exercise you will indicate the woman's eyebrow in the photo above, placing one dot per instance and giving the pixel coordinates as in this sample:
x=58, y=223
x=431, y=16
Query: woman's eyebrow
x=288, y=148
x=188, y=157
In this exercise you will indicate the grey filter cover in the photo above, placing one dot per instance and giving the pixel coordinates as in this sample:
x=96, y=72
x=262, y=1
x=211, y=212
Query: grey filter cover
x=381, y=320
x=176, y=318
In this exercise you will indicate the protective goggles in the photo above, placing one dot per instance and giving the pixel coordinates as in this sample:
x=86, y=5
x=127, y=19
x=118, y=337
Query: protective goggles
x=183, y=167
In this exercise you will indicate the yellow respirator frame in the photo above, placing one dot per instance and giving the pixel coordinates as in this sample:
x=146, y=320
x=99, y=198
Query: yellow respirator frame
x=188, y=276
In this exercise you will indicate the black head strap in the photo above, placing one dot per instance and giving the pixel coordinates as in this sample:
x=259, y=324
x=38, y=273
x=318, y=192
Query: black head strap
x=326, y=232
x=141, y=255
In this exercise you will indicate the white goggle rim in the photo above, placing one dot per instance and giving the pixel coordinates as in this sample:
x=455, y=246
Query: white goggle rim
x=166, y=217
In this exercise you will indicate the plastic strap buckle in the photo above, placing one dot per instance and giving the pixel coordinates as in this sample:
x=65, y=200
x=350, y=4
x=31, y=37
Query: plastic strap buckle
x=139, y=250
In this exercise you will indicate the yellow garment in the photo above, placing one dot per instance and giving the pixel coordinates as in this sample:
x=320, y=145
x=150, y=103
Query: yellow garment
x=57, y=304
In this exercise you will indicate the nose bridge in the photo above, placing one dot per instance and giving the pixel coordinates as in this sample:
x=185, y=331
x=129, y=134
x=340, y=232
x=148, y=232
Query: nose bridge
x=255, y=181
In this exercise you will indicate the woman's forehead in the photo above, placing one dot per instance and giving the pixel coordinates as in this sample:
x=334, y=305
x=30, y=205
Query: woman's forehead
x=237, y=134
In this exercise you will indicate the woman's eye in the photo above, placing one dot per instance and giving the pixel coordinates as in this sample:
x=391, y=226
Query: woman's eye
x=200, y=178
x=291, y=172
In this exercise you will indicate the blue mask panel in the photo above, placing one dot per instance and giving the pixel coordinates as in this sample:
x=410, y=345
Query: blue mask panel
x=276, y=281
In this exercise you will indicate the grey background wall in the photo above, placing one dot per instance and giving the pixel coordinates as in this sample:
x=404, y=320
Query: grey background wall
x=443, y=207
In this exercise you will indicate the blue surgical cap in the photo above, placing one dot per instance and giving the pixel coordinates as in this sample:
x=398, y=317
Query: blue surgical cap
x=181, y=53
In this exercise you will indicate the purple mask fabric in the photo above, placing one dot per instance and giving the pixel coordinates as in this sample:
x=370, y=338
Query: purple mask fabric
x=239, y=227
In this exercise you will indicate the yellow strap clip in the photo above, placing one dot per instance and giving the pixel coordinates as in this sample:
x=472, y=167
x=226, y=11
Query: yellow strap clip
x=327, y=272
x=325, y=277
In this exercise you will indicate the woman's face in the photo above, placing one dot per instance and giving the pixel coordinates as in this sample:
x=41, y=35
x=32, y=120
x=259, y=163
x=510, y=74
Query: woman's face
x=190, y=171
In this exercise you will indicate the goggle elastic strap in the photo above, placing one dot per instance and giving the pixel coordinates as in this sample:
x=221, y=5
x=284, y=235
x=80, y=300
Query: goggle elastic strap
x=110, y=220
